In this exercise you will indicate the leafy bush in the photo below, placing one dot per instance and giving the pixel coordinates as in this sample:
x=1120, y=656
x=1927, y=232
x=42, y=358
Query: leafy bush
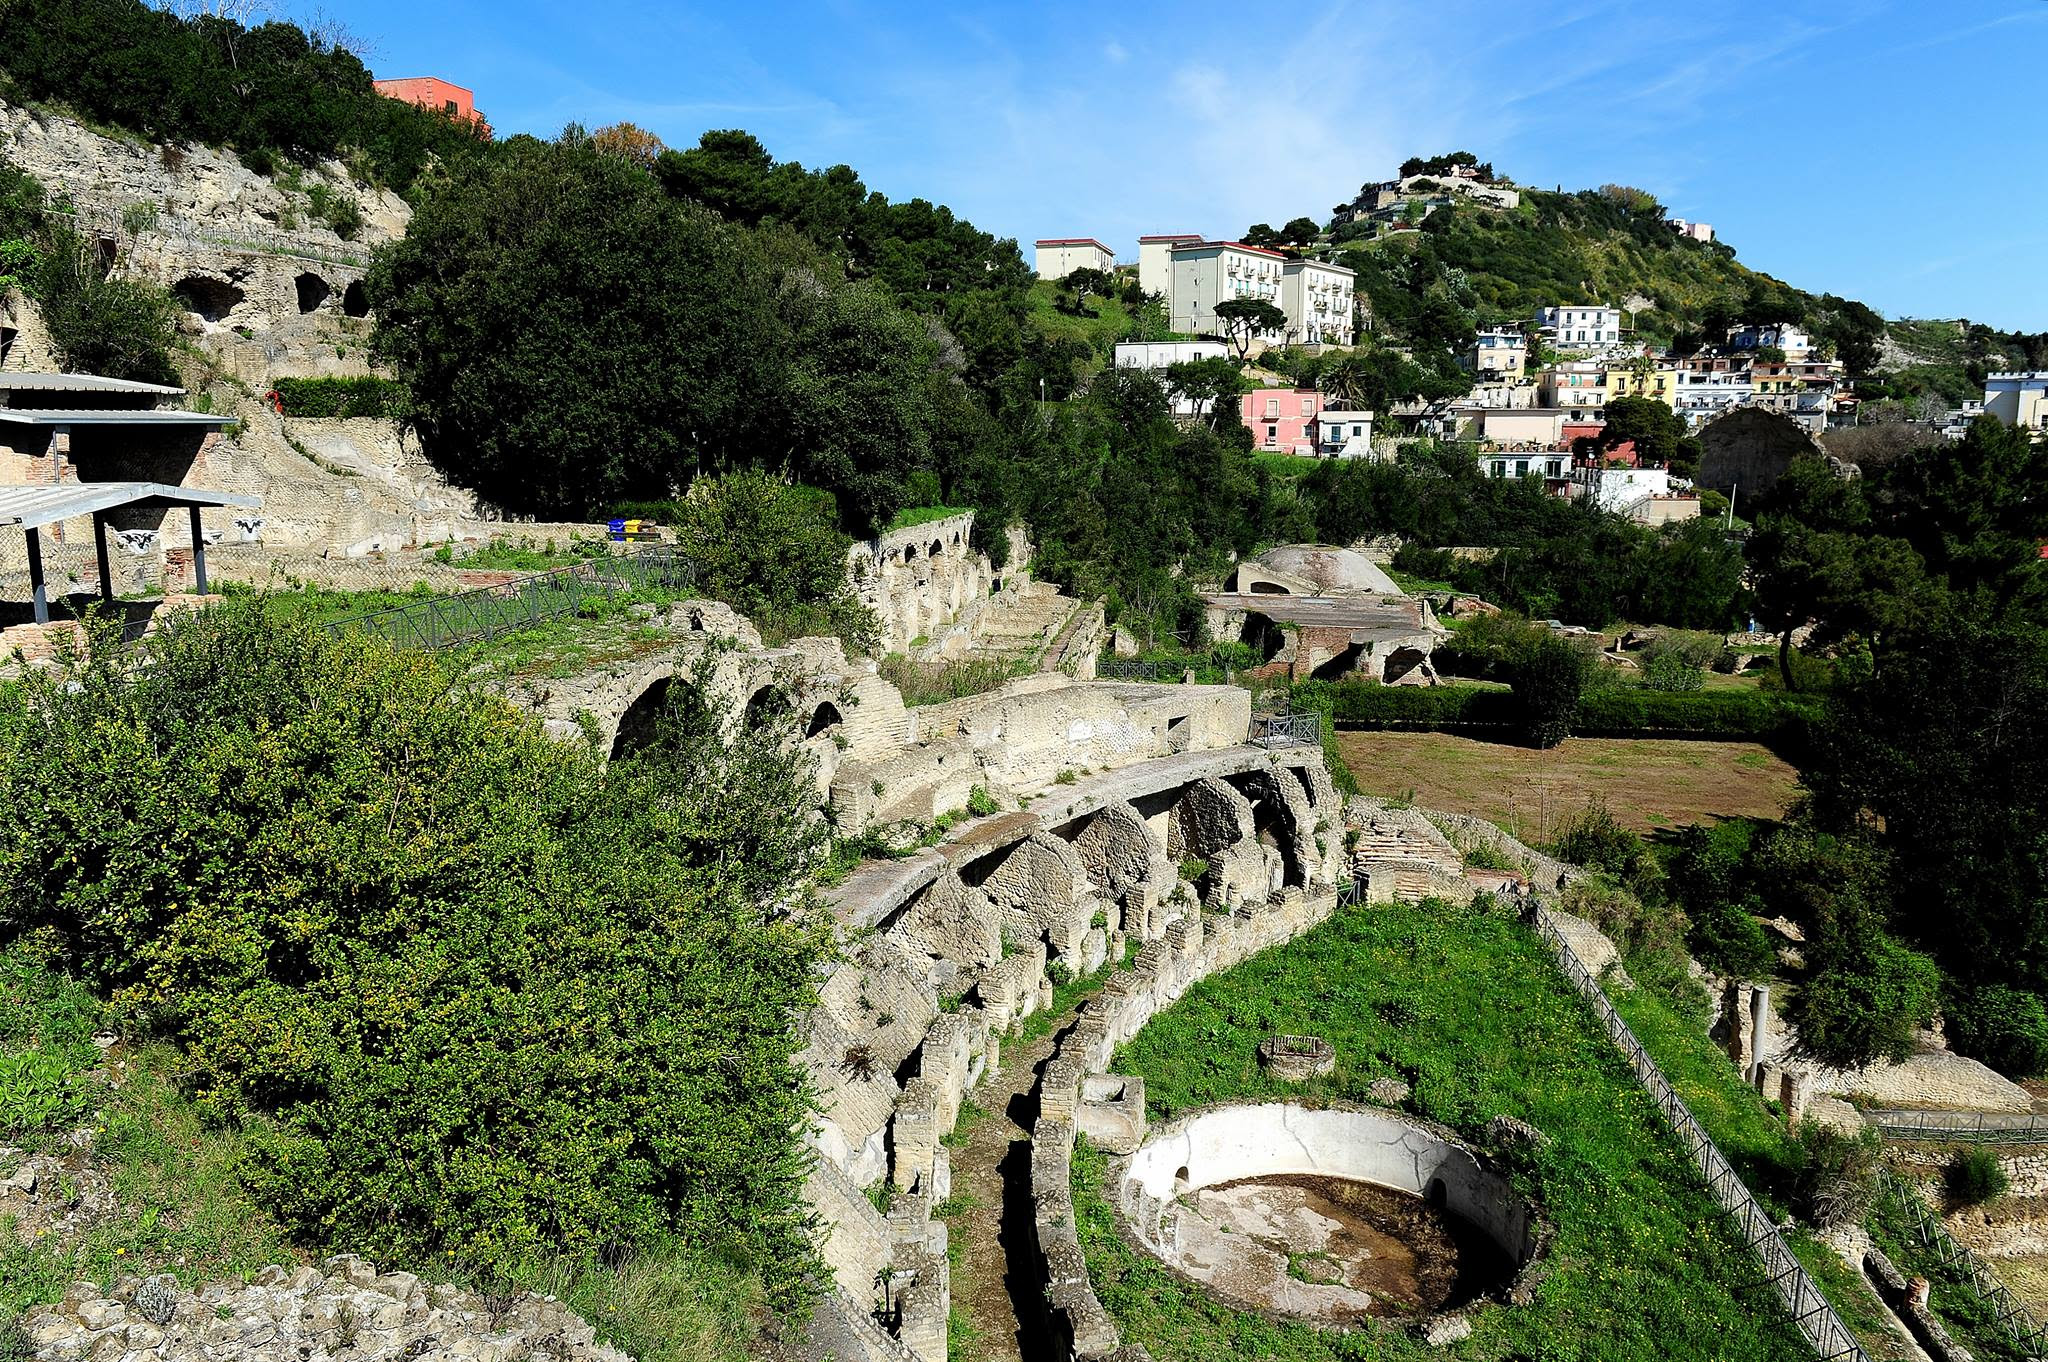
x=1725, y=938
x=1836, y=1177
x=120, y=328
x=1547, y=685
x=2005, y=1027
x=332, y=397
x=1864, y=999
x=774, y=552
x=480, y=985
x=37, y=1092
x=1670, y=672
x=1974, y=1176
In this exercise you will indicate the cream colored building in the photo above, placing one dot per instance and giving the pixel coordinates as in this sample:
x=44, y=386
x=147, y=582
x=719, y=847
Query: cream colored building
x=1059, y=257
x=2018, y=399
x=1206, y=273
x=1155, y=260
x=1317, y=300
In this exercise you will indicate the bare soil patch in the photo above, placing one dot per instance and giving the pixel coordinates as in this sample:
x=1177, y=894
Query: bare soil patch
x=1648, y=783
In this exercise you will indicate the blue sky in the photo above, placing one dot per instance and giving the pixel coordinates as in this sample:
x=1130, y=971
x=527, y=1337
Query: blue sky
x=1890, y=150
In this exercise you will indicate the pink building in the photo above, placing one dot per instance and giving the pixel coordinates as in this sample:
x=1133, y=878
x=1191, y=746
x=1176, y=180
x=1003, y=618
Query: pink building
x=1283, y=420
x=431, y=92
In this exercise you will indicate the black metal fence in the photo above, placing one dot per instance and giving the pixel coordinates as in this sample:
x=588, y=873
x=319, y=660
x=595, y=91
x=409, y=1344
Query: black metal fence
x=2014, y=1320
x=1301, y=729
x=1960, y=1127
x=493, y=611
x=1130, y=669
x=1810, y=1310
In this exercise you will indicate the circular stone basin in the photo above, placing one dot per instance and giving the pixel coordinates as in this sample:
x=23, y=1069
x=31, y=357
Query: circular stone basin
x=1332, y=1216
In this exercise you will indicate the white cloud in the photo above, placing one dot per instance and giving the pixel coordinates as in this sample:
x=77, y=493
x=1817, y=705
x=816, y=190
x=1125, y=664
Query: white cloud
x=1113, y=52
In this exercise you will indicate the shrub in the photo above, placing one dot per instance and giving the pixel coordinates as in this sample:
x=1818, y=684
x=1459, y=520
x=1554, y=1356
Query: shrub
x=120, y=328
x=1671, y=673
x=479, y=986
x=1974, y=1176
x=1836, y=1177
x=1725, y=938
x=1547, y=687
x=344, y=397
x=2005, y=1027
x=980, y=802
x=775, y=553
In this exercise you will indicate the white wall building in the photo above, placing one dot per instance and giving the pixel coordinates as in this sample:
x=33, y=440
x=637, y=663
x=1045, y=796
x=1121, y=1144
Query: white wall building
x=1703, y=395
x=1155, y=357
x=1695, y=231
x=1572, y=328
x=1344, y=434
x=1206, y=273
x=1316, y=297
x=1549, y=464
x=2018, y=399
x=1059, y=257
x=1621, y=489
x=1795, y=342
x=1155, y=261
x=1499, y=352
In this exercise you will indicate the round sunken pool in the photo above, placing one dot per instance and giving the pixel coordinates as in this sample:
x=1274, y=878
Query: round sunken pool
x=1330, y=1215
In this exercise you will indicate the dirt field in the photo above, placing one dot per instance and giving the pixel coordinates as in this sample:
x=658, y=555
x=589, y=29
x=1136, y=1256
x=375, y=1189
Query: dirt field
x=1648, y=783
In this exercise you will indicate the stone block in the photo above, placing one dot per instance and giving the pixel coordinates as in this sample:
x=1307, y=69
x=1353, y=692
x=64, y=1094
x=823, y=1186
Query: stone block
x=1111, y=1112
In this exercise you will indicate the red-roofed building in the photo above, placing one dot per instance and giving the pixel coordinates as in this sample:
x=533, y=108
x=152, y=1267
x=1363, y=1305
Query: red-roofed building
x=1315, y=296
x=1060, y=256
x=431, y=92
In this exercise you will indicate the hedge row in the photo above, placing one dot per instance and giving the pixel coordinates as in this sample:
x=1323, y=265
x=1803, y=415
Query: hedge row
x=1616, y=712
x=344, y=397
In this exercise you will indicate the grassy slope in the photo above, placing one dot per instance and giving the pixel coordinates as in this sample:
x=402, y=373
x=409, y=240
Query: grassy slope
x=1468, y=1007
x=1099, y=333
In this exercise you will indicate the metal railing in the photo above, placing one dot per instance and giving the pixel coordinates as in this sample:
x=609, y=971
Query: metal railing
x=1810, y=1310
x=1302, y=729
x=2013, y=1319
x=1960, y=1127
x=1127, y=669
x=490, y=612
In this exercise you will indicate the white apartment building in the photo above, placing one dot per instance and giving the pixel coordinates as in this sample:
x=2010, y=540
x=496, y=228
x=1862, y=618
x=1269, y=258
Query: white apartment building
x=1059, y=257
x=1317, y=300
x=1796, y=343
x=2018, y=399
x=1621, y=489
x=1704, y=394
x=1696, y=231
x=1578, y=387
x=1575, y=328
x=1499, y=352
x=1155, y=260
x=1552, y=465
x=1206, y=273
x=1155, y=357
x=1344, y=434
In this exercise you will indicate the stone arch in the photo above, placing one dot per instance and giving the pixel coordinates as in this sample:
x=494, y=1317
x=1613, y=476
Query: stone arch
x=1265, y=638
x=767, y=703
x=312, y=291
x=1402, y=661
x=641, y=720
x=355, y=299
x=935, y=550
x=910, y=553
x=1118, y=849
x=824, y=719
x=211, y=298
x=1210, y=818
x=1282, y=819
x=1343, y=664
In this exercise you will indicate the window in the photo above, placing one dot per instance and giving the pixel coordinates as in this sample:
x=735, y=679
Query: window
x=1521, y=468
x=1272, y=407
x=448, y=106
x=1272, y=434
x=1308, y=406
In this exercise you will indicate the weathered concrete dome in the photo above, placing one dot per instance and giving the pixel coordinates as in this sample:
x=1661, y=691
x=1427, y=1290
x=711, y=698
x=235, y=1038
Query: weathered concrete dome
x=1333, y=571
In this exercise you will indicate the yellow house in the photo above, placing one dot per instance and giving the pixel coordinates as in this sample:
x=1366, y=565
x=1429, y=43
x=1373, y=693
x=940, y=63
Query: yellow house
x=1659, y=382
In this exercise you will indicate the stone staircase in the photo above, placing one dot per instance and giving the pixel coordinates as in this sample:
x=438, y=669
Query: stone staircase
x=1037, y=624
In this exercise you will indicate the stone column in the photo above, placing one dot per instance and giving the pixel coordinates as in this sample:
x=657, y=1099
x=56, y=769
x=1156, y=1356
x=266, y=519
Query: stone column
x=1795, y=1090
x=1759, y=1024
x=1736, y=1015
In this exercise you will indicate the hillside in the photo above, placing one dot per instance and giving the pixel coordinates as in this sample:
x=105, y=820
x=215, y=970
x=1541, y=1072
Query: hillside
x=1609, y=246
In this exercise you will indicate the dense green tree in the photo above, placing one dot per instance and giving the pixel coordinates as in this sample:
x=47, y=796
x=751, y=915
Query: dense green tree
x=1658, y=433
x=573, y=337
x=1243, y=320
x=473, y=994
x=1548, y=683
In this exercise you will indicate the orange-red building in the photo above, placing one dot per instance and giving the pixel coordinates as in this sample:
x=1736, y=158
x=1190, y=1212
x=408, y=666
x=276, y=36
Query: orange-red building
x=431, y=92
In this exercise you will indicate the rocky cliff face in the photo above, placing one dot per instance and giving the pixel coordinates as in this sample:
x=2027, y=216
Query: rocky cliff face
x=266, y=283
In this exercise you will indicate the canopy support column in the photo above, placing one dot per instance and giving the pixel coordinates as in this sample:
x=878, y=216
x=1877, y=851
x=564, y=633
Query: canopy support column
x=37, y=591
x=99, y=543
x=198, y=554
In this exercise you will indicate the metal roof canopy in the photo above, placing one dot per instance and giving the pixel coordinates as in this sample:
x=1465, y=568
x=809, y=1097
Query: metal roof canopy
x=31, y=507
x=27, y=382
x=109, y=416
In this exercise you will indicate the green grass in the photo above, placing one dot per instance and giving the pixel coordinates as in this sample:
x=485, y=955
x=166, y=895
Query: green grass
x=522, y=555
x=1469, y=1008
x=1099, y=333
x=923, y=515
x=1288, y=466
x=1965, y=1314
